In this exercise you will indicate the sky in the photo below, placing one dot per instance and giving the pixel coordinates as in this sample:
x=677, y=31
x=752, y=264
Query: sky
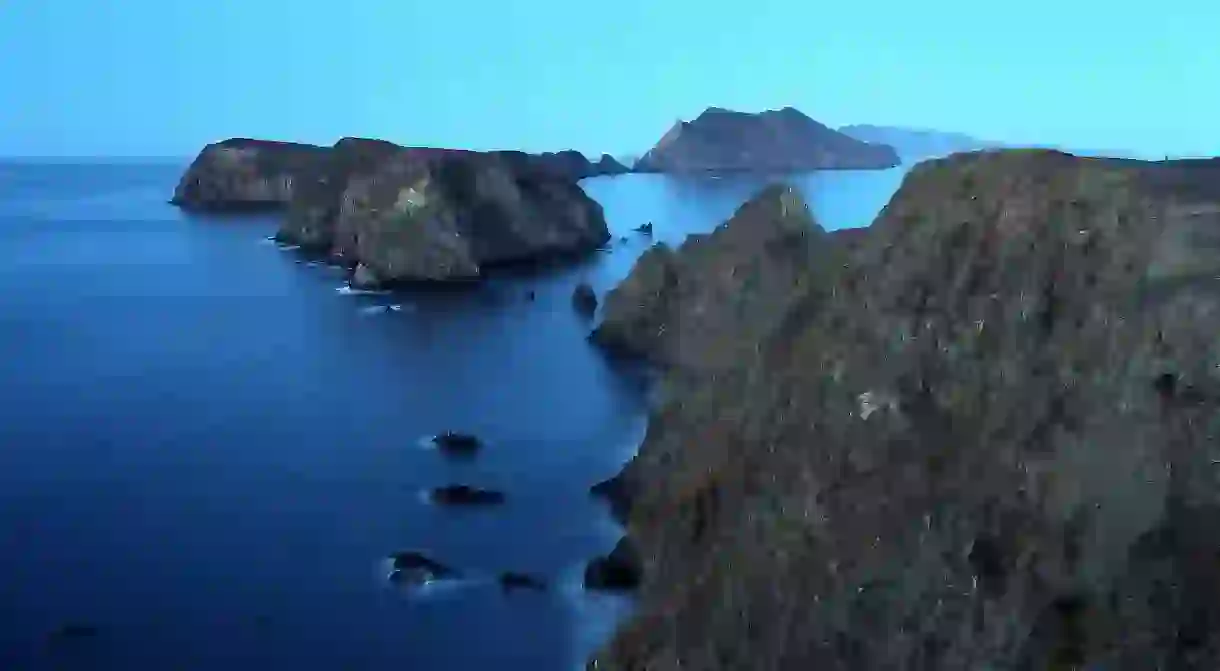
x=164, y=77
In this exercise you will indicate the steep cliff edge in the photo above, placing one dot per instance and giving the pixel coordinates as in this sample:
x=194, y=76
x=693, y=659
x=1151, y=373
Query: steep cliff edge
x=980, y=435
x=772, y=141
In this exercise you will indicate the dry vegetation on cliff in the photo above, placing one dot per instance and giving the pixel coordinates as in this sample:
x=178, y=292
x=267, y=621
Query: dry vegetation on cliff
x=980, y=435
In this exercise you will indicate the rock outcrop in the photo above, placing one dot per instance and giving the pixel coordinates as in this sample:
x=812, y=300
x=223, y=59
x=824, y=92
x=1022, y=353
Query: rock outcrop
x=443, y=215
x=397, y=214
x=981, y=434
x=784, y=140
x=618, y=571
x=243, y=175
x=584, y=299
x=573, y=165
x=465, y=495
x=313, y=209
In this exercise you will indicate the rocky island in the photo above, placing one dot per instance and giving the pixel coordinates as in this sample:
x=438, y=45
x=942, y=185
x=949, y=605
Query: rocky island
x=785, y=140
x=397, y=214
x=980, y=434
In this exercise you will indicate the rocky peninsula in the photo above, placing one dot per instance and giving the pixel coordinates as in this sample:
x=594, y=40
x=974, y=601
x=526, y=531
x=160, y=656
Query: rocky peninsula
x=397, y=214
x=980, y=434
x=785, y=140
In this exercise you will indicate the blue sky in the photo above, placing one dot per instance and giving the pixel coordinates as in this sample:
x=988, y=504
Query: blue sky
x=162, y=77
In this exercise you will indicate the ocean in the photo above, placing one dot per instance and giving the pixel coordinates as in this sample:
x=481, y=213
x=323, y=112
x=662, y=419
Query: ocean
x=208, y=447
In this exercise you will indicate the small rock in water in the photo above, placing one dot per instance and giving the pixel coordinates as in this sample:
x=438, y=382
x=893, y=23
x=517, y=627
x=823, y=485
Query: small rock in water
x=646, y=229
x=510, y=581
x=584, y=299
x=618, y=571
x=74, y=631
x=363, y=278
x=530, y=296
x=412, y=568
x=462, y=495
x=457, y=443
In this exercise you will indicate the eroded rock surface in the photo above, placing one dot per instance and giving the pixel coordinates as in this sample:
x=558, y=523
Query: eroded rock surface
x=429, y=215
x=983, y=437
x=243, y=175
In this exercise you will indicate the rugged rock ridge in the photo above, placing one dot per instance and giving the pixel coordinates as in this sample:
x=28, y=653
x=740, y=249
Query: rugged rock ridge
x=399, y=214
x=573, y=165
x=984, y=438
x=243, y=175
x=424, y=215
x=772, y=141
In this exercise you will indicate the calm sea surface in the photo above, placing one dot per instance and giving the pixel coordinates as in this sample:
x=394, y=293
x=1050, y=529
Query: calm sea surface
x=207, y=449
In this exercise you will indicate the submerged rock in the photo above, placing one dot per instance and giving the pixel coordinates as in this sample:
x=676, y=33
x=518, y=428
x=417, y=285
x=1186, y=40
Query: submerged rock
x=463, y=495
x=980, y=434
x=511, y=581
x=457, y=443
x=646, y=229
x=412, y=569
x=584, y=299
x=618, y=571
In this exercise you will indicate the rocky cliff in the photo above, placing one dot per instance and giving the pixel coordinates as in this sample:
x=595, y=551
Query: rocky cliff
x=774, y=141
x=243, y=175
x=426, y=215
x=404, y=214
x=981, y=434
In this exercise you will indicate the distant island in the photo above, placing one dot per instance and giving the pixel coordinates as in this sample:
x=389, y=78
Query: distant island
x=785, y=140
x=917, y=144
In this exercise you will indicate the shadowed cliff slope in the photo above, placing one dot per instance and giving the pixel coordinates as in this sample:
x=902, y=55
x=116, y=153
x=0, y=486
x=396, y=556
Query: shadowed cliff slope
x=980, y=435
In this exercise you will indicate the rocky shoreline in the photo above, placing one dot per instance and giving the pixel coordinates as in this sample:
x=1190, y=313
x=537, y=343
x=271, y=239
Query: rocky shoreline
x=979, y=434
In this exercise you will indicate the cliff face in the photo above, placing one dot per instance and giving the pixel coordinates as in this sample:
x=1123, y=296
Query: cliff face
x=404, y=214
x=425, y=215
x=240, y=175
x=772, y=141
x=979, y=435
x=313, y=209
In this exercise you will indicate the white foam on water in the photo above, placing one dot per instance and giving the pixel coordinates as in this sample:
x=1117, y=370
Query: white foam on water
x=347, y=290
x=289, y=248
x=380, y=309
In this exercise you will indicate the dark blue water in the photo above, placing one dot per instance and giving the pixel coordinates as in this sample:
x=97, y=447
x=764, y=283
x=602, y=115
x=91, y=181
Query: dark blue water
x=206, y=450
